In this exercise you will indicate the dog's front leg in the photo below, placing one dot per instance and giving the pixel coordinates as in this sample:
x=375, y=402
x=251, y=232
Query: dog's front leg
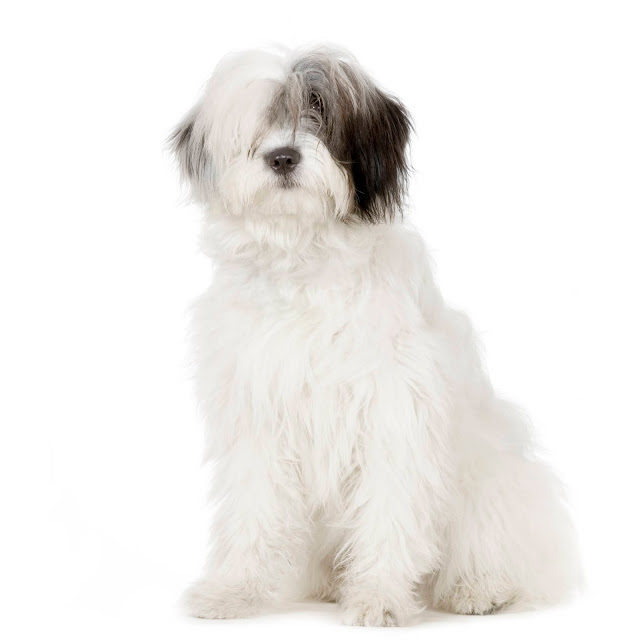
x=257, y=533
x=390, y=540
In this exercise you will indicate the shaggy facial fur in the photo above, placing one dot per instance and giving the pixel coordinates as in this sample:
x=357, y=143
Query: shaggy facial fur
x=362, y=455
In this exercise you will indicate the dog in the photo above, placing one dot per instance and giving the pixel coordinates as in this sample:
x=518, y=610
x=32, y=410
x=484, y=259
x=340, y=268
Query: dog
x=362, y=456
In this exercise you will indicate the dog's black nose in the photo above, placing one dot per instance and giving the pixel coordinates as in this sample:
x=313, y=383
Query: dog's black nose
x=283, y=160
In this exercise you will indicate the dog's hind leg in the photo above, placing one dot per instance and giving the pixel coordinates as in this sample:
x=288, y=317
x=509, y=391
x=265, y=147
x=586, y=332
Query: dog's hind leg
x=510, y=540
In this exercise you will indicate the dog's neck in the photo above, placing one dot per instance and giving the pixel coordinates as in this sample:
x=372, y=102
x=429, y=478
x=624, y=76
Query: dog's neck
x=284, y=243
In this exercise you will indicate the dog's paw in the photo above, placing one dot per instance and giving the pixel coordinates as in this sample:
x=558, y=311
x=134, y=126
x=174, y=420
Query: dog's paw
x=373, y=613
x=478, y=600
x=205, y=599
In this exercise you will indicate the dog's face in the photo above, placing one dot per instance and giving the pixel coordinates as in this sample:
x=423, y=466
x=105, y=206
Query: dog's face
x=307, y=135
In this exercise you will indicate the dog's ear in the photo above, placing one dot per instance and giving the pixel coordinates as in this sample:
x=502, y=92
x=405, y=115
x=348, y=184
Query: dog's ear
x=379, y=166
x=188, y=144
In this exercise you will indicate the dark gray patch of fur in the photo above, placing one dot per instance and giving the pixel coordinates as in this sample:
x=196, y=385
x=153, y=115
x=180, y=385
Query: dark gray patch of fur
x=365, y=129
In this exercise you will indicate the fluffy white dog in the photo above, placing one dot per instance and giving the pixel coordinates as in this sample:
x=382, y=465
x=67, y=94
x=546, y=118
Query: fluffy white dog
x=362, y=455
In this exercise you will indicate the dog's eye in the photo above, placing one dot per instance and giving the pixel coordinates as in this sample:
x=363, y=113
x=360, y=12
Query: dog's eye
x=315, y=103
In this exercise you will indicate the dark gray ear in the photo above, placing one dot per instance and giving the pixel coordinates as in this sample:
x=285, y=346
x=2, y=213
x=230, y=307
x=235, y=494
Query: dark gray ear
x=378, y=147
x=188, y=145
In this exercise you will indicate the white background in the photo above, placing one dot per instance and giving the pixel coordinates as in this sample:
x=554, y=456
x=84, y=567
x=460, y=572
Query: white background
x=526, y=188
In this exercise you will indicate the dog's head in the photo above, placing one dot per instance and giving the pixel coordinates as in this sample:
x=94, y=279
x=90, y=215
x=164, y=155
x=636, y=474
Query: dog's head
x=306, y=134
